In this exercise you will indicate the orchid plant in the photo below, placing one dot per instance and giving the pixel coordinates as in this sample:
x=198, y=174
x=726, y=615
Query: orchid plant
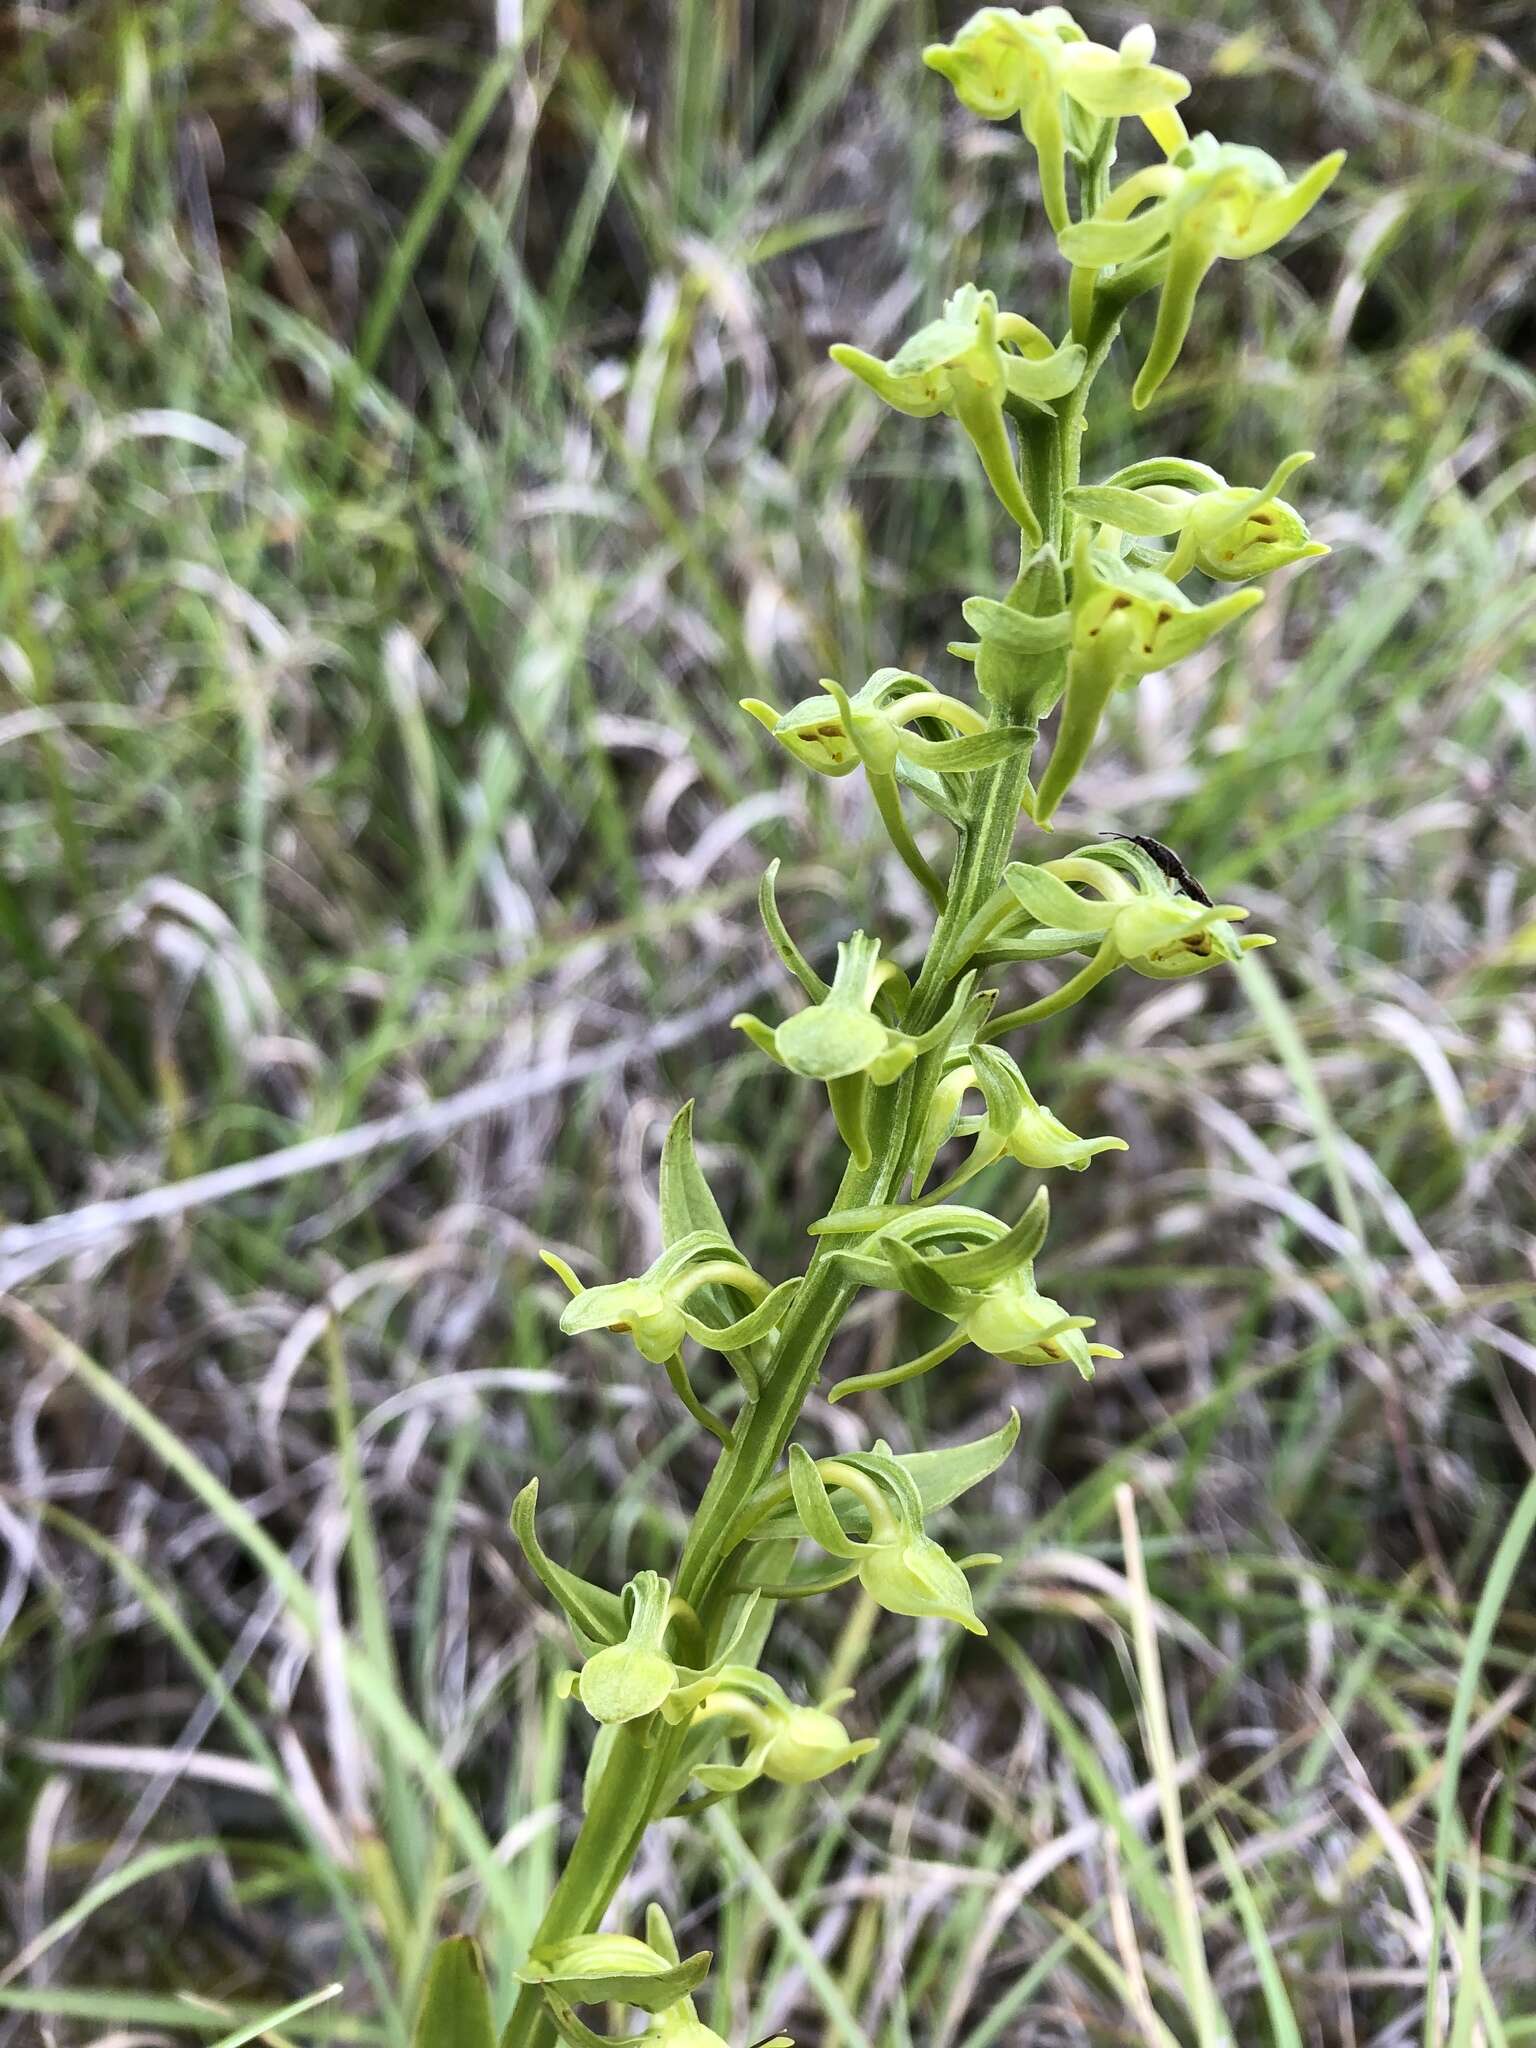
x=1113, y=583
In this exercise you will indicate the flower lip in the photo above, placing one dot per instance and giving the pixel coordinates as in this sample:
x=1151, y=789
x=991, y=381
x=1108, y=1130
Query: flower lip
x=625, y=1684
x=826, y=1044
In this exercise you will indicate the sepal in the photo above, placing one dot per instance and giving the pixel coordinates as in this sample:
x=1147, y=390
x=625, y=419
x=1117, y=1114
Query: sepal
x=598, y=1969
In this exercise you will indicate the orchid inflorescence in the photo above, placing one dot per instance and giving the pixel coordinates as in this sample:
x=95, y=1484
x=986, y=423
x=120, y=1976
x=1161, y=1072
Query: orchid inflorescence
x=1116, y=580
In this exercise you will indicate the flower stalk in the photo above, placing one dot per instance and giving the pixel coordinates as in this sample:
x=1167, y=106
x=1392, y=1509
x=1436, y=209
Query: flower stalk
x=671, y=1675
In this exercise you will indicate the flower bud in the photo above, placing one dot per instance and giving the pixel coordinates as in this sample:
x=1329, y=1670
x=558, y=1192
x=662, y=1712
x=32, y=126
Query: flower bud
x=914, y=1575
x=788, y=1744
x=810, y=1743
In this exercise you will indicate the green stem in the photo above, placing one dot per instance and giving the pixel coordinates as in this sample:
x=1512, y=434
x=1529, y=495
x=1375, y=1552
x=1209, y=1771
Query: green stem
x=627, y=1795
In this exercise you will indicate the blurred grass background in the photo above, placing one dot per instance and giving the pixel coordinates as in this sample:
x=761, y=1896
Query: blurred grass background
x=417, y=434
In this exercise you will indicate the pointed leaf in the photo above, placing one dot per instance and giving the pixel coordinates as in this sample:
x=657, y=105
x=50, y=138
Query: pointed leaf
x=1053, y=902
x=940, y=1477
x=964, y=756
x=780, y=940
x=748, y=1329
x=456, y=2004
x=1018, y=631
x=988, y=1262
x=686, y=1202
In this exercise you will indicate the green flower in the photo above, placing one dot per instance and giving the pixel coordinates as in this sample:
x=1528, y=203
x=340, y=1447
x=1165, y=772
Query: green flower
x=1123, y=623
x=596, y=1969
x=900, y=729
x=787, y=1744
x=882, y=726
x=1136, y=912
x=601, y=1969
x=971, y=364
x=899, y=1565
x=1012, y=1124
x=979, y=1275
x=1042, y=67
x=653, y=1310
x=1210, y=200
x=1229, y=532
x=841, y=1041
x=631, y=1679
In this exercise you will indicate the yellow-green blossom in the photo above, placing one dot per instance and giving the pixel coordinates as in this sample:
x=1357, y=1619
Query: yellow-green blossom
x=1210, y=200
x=899, y=1565
x=1123, y=623
x=1229, y=532
x=1043, y=68
x=787, y=1744
x=1012, y=1124
x=978, y=1274
x=970, y=364
x=842, y=1042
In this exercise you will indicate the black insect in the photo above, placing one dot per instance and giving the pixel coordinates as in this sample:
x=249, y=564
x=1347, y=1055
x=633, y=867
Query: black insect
x=1167, y=860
